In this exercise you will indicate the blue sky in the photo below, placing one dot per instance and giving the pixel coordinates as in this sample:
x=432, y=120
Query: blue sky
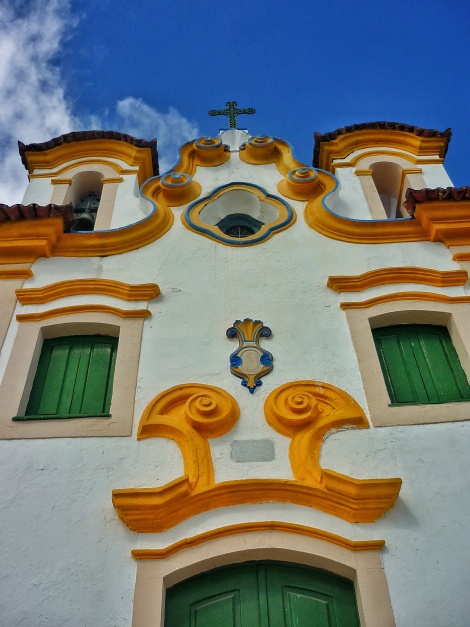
x=154, y=68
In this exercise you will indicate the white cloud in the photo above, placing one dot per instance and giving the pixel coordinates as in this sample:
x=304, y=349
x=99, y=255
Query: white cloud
x=33, y=104
x=171, y=128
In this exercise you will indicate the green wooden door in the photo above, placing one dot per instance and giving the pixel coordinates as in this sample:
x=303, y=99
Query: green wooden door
x=263, y=594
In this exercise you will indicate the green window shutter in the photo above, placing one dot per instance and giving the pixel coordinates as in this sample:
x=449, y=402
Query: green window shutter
x=265, y=594
x=420, y=364
x=74, y=378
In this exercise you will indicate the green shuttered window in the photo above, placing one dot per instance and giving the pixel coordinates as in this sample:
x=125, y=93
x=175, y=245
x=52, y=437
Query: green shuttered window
x=420, y=365
x=263, y=594
x=74, y=378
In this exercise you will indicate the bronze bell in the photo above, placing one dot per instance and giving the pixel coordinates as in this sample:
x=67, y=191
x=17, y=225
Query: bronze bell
x=84, y=222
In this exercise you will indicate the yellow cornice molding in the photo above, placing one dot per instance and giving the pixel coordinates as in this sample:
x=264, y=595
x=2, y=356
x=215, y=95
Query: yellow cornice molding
x=303, y=410
x=446, y=221
x=104, y=148
x=117, y=241
x=363, y=172
x=57, y=181
x=332, y=225
x=463, y=256
x=78, y=287
x=400, y=296
x=152, y=510
x=253, y=527
x=21, y=242
x=78, y=309
x=386, y=276
x=344, y=145
x=15, y=273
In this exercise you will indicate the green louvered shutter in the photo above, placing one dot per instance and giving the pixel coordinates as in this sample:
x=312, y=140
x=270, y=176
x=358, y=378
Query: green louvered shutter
x=263, y=594
x=420, y=364
x=74, y=378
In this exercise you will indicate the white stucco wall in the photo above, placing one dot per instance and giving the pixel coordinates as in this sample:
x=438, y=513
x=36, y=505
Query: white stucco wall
x=66, y=555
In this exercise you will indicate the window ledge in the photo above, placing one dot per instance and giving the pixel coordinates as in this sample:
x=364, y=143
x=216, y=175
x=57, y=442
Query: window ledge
x=427, y=403
x=65, y=417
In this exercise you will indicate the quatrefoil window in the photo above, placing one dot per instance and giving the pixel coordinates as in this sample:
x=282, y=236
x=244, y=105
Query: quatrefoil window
x=239, y=214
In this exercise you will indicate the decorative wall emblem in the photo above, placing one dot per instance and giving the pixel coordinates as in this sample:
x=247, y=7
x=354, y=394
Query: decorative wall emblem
x=250, y=362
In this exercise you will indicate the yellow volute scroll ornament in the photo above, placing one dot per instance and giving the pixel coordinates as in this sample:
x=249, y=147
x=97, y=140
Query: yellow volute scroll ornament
x=304, y=411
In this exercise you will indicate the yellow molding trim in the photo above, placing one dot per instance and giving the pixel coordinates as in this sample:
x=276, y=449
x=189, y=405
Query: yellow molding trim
x=412, y=171
x=252, y=527
x=303, y=410
x=74, y=309
x=363, y=172
x=20, y=243
x=115, y=166
x=75, y=151
x=57, y=181
x=387, y=276
x=78, y=287
x=117, y=179
x=389, y=298
x=378, y=153
x=332, y=225
x=344, y=145
x=114, y=242
x=461, y=256
x=15, y=273
x=151, y=510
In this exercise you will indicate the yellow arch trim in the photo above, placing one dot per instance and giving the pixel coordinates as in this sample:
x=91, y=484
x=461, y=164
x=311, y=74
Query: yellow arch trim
x=302, y=410
x=78, y=287
x=397, y=296
x=387, y=276
x=251, y=527
x=75, y=309
x=353, y=161
x=344, y=145
x=59, y=173
x=107, y=148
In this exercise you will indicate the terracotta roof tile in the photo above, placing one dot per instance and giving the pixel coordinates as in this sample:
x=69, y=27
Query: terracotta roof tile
x=17, y=212
x=392, y=126
x=414, y=196
x=78, y=136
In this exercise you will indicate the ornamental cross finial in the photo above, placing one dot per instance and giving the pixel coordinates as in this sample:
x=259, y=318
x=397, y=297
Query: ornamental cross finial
x=231, y=111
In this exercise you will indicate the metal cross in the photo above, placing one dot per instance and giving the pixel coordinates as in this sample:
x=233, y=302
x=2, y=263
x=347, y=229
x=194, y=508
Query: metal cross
x=231, y=111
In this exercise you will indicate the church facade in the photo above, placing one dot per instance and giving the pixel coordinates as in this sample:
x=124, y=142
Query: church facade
x=236, y=392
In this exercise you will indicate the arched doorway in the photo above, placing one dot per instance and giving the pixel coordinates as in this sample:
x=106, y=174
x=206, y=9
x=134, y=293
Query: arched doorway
x=262, y=594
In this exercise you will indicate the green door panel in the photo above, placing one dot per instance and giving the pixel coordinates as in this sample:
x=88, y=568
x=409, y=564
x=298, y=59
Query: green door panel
x=263, y=594
x=299, y=596
x=223, y=598
x=222, y=609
